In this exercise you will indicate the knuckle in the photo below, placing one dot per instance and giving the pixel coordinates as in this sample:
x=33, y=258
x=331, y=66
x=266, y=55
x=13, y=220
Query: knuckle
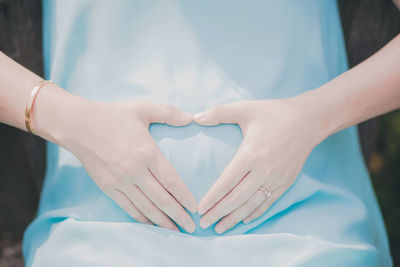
x=251, y=160
x=143, y=152
x=257, y=156
x=120, y=162
x=127, y=166
x=152, y=151
x=133, y=162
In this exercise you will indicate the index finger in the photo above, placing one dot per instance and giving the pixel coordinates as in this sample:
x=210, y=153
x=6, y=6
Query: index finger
x=169, y=178
x=231, y=175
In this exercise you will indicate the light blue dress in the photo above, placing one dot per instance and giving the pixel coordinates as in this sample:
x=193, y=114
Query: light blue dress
x=193, y=55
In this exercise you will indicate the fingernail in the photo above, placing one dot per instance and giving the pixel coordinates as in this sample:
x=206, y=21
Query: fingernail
x=220, y=229
x=175, y=229
x=199, y=116
x=190, y=228
x=247, y=220
x=204, y=224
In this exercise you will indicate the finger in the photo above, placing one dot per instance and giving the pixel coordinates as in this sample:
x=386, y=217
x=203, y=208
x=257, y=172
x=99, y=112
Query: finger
x=163, y=113
x=231, y=175
x=260, y=210
x=166, y=202
x=166, y=174
x=224, y=113
x=240, y=213
x=123, y=201
x=147, y=207
x=108, y=184
x=239, y=194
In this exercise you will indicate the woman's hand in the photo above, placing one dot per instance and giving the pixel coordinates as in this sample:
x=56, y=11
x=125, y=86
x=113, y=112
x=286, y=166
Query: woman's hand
x=113, y=143
x=277, y=139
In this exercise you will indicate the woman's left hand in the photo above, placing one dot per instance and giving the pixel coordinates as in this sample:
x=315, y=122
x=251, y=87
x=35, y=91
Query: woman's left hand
x=278, y=136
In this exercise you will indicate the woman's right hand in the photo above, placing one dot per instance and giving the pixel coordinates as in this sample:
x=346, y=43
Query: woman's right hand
x=113, y=143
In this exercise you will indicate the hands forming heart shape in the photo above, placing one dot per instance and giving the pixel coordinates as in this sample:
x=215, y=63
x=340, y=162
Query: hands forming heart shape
x=128, y=166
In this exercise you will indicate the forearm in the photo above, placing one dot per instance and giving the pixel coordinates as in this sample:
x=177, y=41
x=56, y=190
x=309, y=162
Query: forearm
x=397, y=3
x=53, y=107
x=370, y=89
x=16, y=83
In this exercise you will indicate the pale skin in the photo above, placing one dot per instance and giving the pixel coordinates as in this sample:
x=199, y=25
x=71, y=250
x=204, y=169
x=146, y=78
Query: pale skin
x=368, y=90
x=126, y=163
x=115, y=146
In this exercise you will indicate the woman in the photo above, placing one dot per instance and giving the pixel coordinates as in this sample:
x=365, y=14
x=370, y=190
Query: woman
x=270, y=160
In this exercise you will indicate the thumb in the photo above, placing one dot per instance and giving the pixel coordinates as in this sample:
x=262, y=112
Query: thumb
x=224, y=113
x=163, y=113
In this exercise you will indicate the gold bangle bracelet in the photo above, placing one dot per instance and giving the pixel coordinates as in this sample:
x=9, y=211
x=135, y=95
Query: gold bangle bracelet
x=30, y=102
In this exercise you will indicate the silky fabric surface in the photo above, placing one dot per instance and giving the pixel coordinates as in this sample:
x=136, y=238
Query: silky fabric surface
x=193, y=55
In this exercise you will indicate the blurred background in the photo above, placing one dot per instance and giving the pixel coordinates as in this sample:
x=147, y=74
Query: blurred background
x=368, y=25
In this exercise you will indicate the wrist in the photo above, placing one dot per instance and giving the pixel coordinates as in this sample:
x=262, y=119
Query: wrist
x=318, y=113
x=56, y=113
